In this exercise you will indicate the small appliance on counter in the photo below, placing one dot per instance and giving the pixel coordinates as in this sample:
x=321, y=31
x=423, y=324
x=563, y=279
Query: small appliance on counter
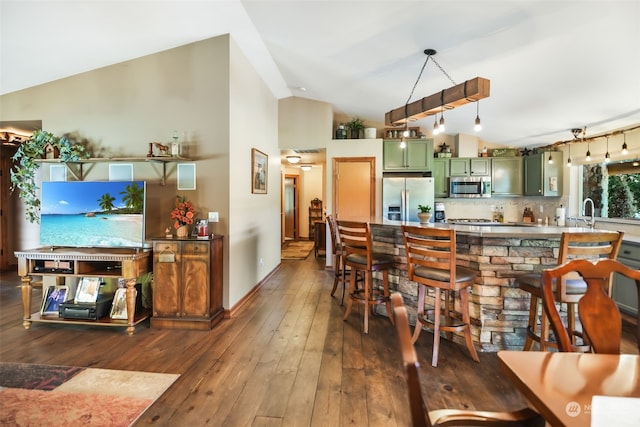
x=438, y=213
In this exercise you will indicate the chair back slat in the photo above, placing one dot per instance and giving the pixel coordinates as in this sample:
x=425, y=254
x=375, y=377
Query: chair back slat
x=598, y=313
x=355, y=238
x=587, y=245
x=432, y=248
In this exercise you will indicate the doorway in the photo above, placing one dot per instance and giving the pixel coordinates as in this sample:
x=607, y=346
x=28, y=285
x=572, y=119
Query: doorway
x=291, y=207
x=354, y=194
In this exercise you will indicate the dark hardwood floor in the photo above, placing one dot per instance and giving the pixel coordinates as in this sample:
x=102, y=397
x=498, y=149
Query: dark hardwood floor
x=286, y=358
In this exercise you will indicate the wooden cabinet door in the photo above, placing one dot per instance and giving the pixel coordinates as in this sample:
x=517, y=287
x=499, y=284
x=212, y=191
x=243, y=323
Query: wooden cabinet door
x=393, y=156
x=507, y=176
x=195, y=279
x=533, y=175
x=459, y=167
x=419, y=155
x=441, y=177
x=480, y=167
x=166, y=278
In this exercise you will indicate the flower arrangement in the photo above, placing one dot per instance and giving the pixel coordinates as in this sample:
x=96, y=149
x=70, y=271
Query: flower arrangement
x=183, y=213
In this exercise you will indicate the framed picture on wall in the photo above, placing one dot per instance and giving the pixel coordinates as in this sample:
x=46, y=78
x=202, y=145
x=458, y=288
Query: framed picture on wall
x=259, y=172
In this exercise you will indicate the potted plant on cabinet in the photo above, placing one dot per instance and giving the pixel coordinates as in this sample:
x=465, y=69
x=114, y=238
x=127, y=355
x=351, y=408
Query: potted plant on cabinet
x=23, y=173
x=355, y=126
x=424, y=213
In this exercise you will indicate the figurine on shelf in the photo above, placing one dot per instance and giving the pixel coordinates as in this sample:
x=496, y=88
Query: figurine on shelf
x=167, y=233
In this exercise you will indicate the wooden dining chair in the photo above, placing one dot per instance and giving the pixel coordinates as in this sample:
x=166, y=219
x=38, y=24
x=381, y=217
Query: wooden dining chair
x=359, y=256
x=587, y=245
x=421, y=416
x=598, y=313
x=431, y=263
x=340, y=272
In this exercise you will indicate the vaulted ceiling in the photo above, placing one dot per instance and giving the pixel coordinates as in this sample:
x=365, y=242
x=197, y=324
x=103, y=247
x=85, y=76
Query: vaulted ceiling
x=553, y=65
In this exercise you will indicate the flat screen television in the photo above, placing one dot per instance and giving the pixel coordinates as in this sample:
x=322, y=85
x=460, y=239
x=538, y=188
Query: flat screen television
x=93, y=213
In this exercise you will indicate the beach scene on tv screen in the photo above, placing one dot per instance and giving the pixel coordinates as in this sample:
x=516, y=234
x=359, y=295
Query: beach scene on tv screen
x=90, y=214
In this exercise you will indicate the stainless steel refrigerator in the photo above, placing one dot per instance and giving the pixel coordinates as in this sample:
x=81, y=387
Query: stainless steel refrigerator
x=402, y=195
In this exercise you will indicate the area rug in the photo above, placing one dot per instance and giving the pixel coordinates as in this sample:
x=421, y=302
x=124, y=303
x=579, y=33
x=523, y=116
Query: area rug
x=42, y=395
x=296, y=249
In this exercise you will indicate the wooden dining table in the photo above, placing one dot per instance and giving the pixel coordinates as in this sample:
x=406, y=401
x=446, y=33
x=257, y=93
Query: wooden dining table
x=561, y=385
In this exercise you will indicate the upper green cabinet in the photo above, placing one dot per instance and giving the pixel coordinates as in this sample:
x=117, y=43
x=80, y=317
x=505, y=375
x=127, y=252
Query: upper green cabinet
x=477, y=166
x=416, y=156
x=441, y=177
x=541, y=177
x=507, y=176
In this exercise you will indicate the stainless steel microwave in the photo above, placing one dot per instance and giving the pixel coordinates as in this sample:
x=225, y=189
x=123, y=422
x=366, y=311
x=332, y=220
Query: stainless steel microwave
x=470, y=186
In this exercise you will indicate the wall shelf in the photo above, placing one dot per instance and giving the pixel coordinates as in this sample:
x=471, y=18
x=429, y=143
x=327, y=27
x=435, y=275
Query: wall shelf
x=78, y=170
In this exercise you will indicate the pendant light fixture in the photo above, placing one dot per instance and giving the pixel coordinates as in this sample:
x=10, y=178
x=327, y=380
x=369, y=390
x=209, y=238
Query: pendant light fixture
x=478, y=126
x=550, y=158
x=293, y=159
x=456, y=96
x=576, y=135
x=607, y=157
x=588, y=157
x=624, y=145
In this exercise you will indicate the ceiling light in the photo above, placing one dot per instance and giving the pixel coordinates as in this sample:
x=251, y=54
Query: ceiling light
x=569, y=158
x=455, y=96
x=550, y=158
x=435, y=126
x=478, y=126
x=305, y=168
x=624, y=145
x=607, y=157
x=294, y=159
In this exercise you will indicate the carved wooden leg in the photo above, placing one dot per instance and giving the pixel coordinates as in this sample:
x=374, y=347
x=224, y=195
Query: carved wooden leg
x=131, y=305
x=25, y=290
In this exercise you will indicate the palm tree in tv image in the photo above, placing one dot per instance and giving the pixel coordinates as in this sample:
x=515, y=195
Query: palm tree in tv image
x=133, y=197
x=106, y=202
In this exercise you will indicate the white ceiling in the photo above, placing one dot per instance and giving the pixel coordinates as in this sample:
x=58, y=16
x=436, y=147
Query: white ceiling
x=553, y=65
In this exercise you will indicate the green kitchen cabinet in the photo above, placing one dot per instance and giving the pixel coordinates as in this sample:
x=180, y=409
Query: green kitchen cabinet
x=507, y=176
x=541, y=177
x=417, y=156
x=441, y=177
x=463, y=166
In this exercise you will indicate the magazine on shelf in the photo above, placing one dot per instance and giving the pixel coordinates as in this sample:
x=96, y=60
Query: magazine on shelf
x=53, y=297
x=119, y=306
x=87, y=290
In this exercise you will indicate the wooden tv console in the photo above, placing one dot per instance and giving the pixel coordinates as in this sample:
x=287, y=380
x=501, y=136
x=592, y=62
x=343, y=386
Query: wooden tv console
x=127, y=263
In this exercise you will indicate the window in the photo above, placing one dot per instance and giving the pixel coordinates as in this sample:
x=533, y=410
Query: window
x=614, y=189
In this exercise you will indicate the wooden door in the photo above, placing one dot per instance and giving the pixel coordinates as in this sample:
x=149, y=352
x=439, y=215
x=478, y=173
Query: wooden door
x=291, y=206
x=166, y=278
x=354, y=194
x=195, y=279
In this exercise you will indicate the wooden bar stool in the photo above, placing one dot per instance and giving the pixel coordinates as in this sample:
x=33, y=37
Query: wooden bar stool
x=340, y=272
x=431, y=262
x=358, y=254
x=590, y=245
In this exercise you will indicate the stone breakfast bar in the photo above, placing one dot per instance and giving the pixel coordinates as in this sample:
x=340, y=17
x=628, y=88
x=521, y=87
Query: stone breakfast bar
x=498, y=253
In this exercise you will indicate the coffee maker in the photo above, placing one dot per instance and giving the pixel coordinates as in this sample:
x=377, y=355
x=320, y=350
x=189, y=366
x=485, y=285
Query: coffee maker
x=439, y=213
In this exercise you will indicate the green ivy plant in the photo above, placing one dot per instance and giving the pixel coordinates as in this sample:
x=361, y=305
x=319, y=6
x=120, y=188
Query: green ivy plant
x=424, y=208
x=23, y=173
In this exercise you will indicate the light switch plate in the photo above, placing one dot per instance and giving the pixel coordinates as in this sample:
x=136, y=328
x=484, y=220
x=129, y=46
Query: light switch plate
x=213, y=216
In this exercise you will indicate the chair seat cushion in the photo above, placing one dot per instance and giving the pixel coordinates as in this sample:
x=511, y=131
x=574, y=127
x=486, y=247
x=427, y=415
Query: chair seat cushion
x=463, y=274
x=532, y=283
x=378, y=259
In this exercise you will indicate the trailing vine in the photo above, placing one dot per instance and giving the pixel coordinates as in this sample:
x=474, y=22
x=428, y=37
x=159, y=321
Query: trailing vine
x=23, y=173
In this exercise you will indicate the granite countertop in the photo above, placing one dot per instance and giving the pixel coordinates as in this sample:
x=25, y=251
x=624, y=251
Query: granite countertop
x=494, y=230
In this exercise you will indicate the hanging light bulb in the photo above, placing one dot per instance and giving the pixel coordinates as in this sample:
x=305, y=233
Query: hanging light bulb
x=569, y=158
x=403, y=143
x=550, y=158
x=624, y=145
x=436, y=130
x=478, y=126
x=607, y=157
x=441, y=127
x=588, y=157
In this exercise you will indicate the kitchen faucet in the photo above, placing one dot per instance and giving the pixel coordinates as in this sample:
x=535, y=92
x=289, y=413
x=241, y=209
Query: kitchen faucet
x=591, y=222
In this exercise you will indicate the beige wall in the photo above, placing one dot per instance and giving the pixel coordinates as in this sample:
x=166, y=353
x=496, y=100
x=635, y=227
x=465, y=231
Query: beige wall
x=304, y=123
x=210, y=94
